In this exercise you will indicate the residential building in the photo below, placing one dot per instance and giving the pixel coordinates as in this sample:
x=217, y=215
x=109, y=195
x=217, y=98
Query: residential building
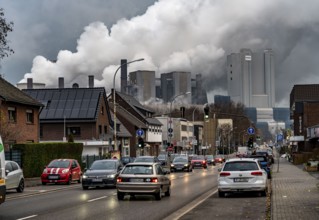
x=19, y=115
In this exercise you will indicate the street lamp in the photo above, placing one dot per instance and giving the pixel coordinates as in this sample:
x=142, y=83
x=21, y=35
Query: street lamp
x=170, y=112
x=114, y=102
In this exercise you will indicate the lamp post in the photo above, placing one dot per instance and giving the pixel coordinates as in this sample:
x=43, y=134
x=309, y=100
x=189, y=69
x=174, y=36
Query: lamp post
x=170, y=119
x=114, y=102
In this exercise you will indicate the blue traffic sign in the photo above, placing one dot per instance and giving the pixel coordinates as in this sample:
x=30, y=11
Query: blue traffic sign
x=251, y=130
x=280, y=137
x=140, y=132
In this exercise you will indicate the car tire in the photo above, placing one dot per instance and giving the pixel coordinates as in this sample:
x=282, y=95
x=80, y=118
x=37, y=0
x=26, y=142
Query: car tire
x=158, y=196
x=20, y=186
x=263, y=193
x=168, y=192
x=69, y=180
x=85, y=187
x=221, y=194
x=120, y=195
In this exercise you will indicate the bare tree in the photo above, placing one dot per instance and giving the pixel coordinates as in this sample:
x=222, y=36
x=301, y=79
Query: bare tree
x=5, y=28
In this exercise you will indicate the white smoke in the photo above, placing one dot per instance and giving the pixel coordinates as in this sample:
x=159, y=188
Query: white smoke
x=195, y=36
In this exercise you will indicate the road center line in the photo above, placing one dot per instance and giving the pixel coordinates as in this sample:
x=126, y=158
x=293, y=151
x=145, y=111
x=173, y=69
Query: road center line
x=31, y=216
x=92, y=200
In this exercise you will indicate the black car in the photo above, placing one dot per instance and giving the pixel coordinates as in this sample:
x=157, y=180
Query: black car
x=102, y=173
x=210, y=160
x=181, y=164
x=163, y=158
x=126, y=160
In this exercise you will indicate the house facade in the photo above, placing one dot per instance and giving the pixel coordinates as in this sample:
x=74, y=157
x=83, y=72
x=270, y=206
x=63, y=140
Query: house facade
x=19, y=115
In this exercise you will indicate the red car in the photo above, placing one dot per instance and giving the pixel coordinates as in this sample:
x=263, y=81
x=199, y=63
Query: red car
x=62, y=171
x=219, y=159
x=199, y=161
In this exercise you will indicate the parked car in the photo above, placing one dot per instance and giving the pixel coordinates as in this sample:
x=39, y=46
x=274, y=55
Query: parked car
x=242, y=175
x=126, y=160
x=147, y=159
x=143, y=178
x=210, y=160
x=62, y=171
x=199, y=161
x=181, y=164
x=102, y=173
x=14, y=176
x=264, y=163
x=219, y=158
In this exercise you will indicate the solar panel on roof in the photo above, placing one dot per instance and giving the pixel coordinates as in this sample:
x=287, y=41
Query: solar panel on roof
x=39, y=95
x=72, y=94
x=43, y=114
x=48, y=95
x=93, y=103
x=51, y=113
x=91, y=113
x=54, y=104
x=85, y=104
x=56, y=95
x=77, y=104
x=69, y=104
x=75, y=113
x=64, y=95
x=59, y=113
x=83, y=113
x=79, y=94
x=61, y=104
x=87, y=94
x=67, y=113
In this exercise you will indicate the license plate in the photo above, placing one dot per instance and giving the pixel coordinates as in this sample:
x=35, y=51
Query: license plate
x=97, y=180
x=53, y=177
x=240, y=180
x=136, y=180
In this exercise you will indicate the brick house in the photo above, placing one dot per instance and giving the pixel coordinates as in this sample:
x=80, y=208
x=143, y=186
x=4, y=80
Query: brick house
x=82, y=113
x=304, y=109
x=19, y=115
x=134, y=117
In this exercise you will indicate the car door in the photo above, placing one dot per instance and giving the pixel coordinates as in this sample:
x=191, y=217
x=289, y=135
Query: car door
x=163, y=178
x=9, y=176
x=76, y=170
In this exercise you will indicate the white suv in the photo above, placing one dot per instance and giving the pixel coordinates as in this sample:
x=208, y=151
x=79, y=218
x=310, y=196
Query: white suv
x=242, y=175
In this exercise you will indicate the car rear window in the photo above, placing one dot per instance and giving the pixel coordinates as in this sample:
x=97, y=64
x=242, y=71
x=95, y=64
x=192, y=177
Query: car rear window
x=144, y=159
x=138, y=169
x=240, y=166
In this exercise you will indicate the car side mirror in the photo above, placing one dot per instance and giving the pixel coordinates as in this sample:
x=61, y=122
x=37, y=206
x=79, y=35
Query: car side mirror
x=7, y=172
x=219, y=169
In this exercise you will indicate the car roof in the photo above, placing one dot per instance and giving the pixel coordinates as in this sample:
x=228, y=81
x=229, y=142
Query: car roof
x=141, y=163
x=240, y=159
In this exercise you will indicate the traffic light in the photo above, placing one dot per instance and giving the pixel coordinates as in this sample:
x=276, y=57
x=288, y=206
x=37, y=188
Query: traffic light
x=141, y=143
x=206, y=111
x=250, y=142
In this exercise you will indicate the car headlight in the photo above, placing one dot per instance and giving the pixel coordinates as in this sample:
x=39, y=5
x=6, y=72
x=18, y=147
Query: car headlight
x=84, y=176
x=172, y=165
x=185, y=165
x=45, y=171
x=110, y=176
x=65, y=171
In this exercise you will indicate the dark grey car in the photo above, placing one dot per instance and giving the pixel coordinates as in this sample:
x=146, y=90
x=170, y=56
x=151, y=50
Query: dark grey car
x=102, y=173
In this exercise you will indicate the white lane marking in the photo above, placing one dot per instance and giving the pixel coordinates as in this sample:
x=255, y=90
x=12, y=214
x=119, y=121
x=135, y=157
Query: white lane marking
x=31, y=216
x=179, y=213
x=92, y=200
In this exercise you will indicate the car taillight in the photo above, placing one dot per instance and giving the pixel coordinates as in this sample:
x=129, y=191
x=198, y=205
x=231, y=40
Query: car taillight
x=154, y=180
x=257, y=173
x=119, y=179
x=224, y=174
x=204, y=162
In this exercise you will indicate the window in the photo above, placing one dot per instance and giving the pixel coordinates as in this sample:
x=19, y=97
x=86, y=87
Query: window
x=105, y=129
x=30, y=117
x=74, y=130
x=100, y=129
x=12, y=114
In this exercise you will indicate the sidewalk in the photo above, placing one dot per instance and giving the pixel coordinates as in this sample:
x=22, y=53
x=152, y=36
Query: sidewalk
x=295, y=193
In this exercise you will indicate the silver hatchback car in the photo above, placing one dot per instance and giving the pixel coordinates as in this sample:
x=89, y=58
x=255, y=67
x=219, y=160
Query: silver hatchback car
x=242, y=175
x=14, y=176
x=143, y=178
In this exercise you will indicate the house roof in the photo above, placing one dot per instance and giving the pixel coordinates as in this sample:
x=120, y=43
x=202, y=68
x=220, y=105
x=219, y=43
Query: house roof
x=71, y=103
x=139, y=108
x=10, y=93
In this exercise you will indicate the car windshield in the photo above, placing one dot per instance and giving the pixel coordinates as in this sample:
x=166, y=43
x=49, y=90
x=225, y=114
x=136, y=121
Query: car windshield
x=219, y=156
x=138, y=169
x=103, y=165
x=161, y=157
x=210, y=157
x=59, y=164
x=261, y=159
x=180, y=159
x=144, y=159
x=240, y=166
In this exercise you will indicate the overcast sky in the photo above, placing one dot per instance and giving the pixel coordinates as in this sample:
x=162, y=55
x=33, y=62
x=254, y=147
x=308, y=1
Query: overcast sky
x=91, y=37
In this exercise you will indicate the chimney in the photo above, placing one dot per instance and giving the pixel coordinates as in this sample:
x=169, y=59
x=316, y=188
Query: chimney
x=91, y=81
x=123, y=75
x=61, y=82
x=29, y=83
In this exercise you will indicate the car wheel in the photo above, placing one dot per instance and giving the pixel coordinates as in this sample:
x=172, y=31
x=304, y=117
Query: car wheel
x=158, y=196
x=21, y=186
x=69, y=180
x=85, y=187
x=221, y=194
x=264, y=193
x=120, y=195
x=168, y=192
